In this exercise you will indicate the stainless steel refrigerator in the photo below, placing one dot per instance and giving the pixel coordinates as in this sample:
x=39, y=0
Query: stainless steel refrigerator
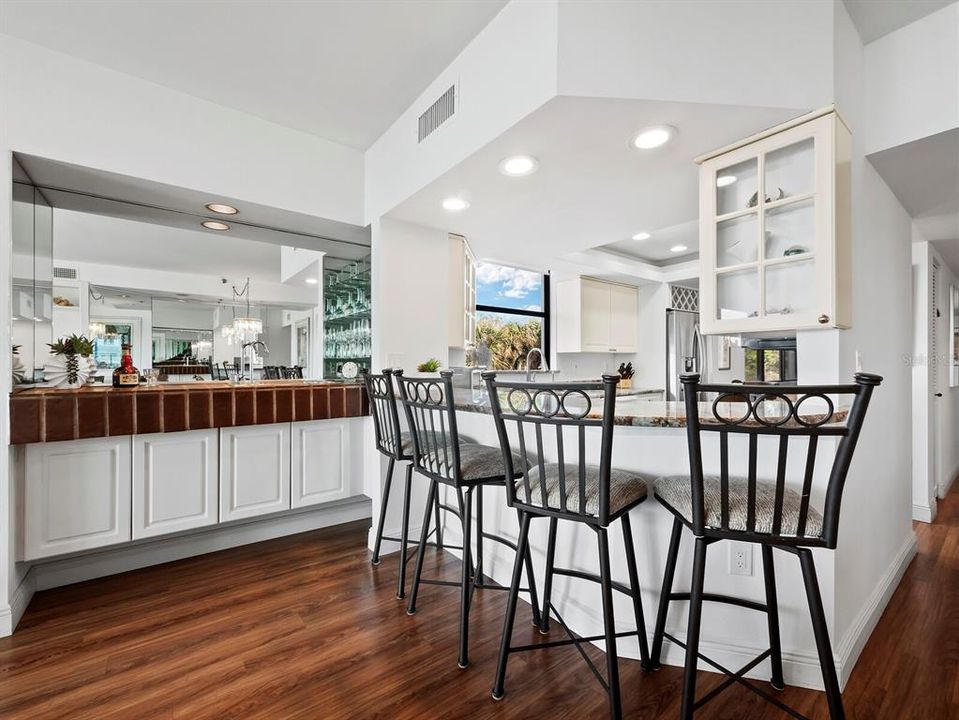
x=685, y=350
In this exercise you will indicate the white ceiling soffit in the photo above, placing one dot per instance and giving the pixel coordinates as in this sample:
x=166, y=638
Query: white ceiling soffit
x=875, y=18
x=72, y=187
x=657, y=248
x=924, y=175
x=592, y=188
x=339, y=69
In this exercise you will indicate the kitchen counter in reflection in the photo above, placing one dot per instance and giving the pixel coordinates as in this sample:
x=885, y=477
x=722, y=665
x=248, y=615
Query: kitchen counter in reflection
x=44, y=414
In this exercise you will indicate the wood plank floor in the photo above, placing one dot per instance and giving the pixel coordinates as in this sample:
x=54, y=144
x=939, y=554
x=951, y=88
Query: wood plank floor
x=303, y=627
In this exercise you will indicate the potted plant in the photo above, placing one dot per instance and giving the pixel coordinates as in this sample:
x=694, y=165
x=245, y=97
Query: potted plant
x=430, y=366
x=17, y=366
x=67, y=369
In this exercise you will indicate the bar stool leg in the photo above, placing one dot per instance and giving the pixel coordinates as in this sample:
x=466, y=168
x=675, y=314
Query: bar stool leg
x=830, y=681
x=424, y=536
x=438, y=519
x=692, y=632
x=478, y=575
x=612, y=661
x=382, y=519
x=772, y=618
x=548, y=582
x=522, y=544
x=671, y=556
x=405, y=533
x=466, y=583
x=531, y=579
x=637, y=594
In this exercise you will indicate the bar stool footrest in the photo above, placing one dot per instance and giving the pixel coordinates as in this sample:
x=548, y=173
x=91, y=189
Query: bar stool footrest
x=727, y=599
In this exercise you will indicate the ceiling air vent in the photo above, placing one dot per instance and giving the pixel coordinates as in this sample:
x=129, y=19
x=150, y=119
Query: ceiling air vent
x=64, y=273
x=437, y=113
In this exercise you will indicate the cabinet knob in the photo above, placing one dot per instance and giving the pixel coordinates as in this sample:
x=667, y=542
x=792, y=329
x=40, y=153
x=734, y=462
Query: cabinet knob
x=823, y=319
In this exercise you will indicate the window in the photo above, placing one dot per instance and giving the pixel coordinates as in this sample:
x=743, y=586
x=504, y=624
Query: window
x=765, y=365
x=512, y=316
x=108, y=349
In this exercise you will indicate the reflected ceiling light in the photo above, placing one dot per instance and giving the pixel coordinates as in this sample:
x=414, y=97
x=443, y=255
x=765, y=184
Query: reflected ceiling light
x=221, y=208
x=678, y=248
x=311, y=281
x=215, y=225
x=724, y=180
x=653, y=137
x=519, y=165
x=455, y=204
x=642, y=236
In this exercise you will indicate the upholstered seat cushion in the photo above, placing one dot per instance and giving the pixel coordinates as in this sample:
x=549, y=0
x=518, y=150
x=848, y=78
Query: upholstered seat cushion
x=626, y=488
x=478, y=463
x=676, y=493
x=406, y=441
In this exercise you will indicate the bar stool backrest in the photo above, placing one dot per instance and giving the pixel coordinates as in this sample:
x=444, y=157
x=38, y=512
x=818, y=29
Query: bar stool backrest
x=386, y=418
x=554, y=412
x=797, y=410
x=431, y=417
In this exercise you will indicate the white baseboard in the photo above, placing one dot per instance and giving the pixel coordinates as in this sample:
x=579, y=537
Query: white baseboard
x=946, y=486
x=388, y=547
x=852, y=644
x=66, y=571
x=925, y=513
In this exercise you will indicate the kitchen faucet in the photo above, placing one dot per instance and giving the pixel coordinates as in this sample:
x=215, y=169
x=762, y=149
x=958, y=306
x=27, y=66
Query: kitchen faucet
x=251, y=346
x=544, y=366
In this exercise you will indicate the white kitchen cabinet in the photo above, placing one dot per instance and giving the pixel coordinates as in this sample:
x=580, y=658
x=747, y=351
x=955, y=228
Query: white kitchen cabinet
x=462, y=304
x=76, y=496
x=320, y=468
x=254, y=470
x=175, y=482
x=774, y=230
x=596, y=316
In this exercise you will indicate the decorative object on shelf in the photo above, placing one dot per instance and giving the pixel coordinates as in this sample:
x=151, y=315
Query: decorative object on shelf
x=430, y=366
x=350, y=370
x=795, y=250
x=17, y=366
x=625, y=375
x=61, y=301
x=754, y=198
x=70, y=364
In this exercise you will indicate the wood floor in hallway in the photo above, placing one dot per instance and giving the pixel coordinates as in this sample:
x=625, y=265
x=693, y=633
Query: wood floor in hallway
x=303, y=627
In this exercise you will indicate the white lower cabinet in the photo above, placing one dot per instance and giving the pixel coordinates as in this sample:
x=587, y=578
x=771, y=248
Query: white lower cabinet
x=321, y=466
x=77, y=496
x=175, y=483
x=254, y=470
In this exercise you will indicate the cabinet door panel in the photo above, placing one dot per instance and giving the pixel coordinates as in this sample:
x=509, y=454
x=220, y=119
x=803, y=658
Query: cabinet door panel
x=254, y=470
x=595, y=319
x=175, y=482
x=77, y=496
x=624, y=318
x=320, y=462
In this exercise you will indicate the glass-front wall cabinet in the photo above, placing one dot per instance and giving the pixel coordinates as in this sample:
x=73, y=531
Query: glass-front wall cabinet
x=347, y=339
x=774, y=240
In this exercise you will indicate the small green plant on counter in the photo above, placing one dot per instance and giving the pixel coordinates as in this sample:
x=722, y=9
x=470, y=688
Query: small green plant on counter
x=71, y=348
x=430, y=366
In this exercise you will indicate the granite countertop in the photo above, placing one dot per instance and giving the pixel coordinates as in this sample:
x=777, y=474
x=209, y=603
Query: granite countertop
x=642, y=413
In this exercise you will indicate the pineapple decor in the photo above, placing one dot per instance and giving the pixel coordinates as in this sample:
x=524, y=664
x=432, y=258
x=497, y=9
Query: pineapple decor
x=17, y=366
x=69, y=365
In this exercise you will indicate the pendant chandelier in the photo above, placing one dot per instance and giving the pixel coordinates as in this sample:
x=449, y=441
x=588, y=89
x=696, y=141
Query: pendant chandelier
x=246, y=329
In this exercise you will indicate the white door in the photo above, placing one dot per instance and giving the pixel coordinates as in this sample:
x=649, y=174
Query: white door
x=77, y=496
x=175, y=482
x=254, y=470
x=594, y=323
x=624, y=318
x=320, y=462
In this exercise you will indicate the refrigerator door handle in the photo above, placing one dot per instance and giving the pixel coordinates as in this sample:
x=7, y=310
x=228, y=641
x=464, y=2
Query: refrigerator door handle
x=700, y=345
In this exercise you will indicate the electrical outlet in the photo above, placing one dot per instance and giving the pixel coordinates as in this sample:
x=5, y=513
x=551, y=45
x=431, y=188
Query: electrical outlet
x=740, y=558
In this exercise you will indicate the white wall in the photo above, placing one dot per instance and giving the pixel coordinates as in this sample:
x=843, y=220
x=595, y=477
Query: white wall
x=701, y=51
x=912, y=81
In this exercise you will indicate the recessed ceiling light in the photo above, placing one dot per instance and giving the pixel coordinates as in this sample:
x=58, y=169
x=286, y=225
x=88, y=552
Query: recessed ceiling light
x=678, y=248
x=455, y=204
x=642, y=236
x=215, y=225
x=653, y=137
x=311, y=281
x=724, y=180
x=221, y=208
x=519, y=165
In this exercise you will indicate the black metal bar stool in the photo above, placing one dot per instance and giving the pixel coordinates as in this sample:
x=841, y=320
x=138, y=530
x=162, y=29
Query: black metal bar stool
x=569, y=489
x=440, y=454
x=758, y=511
x=397, y=446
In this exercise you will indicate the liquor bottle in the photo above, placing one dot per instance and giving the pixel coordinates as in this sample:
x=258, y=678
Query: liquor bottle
x=126, y=375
